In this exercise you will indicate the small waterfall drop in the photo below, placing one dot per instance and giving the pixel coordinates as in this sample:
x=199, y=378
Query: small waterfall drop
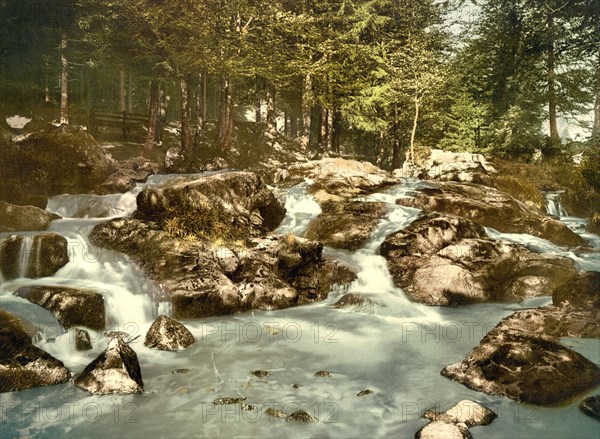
x=553, y=204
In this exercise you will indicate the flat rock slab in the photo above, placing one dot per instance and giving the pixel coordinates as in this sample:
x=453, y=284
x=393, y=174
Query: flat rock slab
x=71, y=306
x=491, y=208
x=15, y=218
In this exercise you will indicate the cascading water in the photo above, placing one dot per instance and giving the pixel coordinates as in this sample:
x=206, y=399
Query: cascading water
x=553, y=204
x=397, y=351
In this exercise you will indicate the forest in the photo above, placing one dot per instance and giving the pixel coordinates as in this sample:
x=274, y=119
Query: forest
x=373, y=78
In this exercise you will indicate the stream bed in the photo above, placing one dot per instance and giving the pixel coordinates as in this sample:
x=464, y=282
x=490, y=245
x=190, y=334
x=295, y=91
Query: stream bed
x=393, y=347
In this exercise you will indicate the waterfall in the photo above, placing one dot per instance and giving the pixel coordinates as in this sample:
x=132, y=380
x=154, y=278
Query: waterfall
x=553, y=204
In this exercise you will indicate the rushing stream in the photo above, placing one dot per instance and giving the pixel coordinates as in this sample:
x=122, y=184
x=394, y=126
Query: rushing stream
x=394, y=347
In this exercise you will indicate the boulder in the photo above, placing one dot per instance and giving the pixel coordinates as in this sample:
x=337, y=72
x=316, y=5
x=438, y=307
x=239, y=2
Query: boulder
x=115, y=370
x=168, y=335
x=591, y=406
x=338, y=176
x=53, y=161
x=15, y=218
x=446, y=260
x=82, y=340
x=358, y=302
x=450, y=166
x=270, y=273
x=40, y=256
x=439, y=430
x=301, y=416
x=491, y=208
x=346, y=225
x=126, y=175
x=581, y=290
x=522, y=359
x=71, y=306
x=22, y=365
x=464, y=412
x=228, y=206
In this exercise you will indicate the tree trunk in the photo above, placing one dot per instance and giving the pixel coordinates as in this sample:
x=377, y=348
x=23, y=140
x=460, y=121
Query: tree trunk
x=596, y=127
x=152, y=119
x=47, y=96
x=227, y=106
x=130, y=94
x=122, y=88
x=552, y=113
x=336, y=131
x=271, y=122
x=324, y=129
x=64, y=81
x=200, y=109
x=185, y=115
x=414, y=130
x=293, y=125
x=329, y=130
x=257, y=102
x=307, y=101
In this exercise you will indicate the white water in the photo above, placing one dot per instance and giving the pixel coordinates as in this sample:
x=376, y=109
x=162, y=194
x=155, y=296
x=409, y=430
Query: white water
x=397, y=349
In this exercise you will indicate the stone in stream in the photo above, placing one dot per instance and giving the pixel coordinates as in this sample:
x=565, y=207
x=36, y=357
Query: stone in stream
x=15, y=218
x=323, y=374
x=48, y=254
x=365, y=392
x=491, y=208
x=359, y=302
x=442, y=259
x=301, y=416
x=443, y=430
x=82, y=340
x=522, y=359
x=581, y=290
x=591, y=406
x=22, y=365
x=115, y=370
x=71, y=306
x=346, y=225
x=464, y=412
x=168, y=335
x=260, y=373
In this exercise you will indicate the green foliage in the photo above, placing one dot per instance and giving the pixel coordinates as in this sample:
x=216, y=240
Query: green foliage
x=464, y=122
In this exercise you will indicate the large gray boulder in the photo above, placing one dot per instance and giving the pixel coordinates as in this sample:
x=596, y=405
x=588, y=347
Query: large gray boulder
x=115, y=370
x=522, y=358
x=15, y=218
x=581, y=290
x=491, y=208
x=446, y=260
x=71, y=306
x=47, y=254
x=167, y=334
x=53, y=161
x=22, y=365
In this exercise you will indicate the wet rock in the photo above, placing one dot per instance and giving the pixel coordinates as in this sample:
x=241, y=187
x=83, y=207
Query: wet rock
x=22, y=365
x=581, y=290
x=30, y=166
x=271, y=273
x=228, y=260
x=346, y=178
x=126, y=175
x=168, y=335
x=47, y=253
x=521, y=358
x=453, y=166
x=365, y=392
x=438, y=430
x=323, y=374
x=71, y=306
x=82, y=340
x=492, y=208
x=229, y=205
x=229, y=401
x=591, y=406
x=358, y=302
x=181, y=371
x=276, y=413
x=464, y=412
x=115, y=370
x=260, y=373
x=446, y=260
x=15, y=218
x=302, y=417
x=346, y=225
